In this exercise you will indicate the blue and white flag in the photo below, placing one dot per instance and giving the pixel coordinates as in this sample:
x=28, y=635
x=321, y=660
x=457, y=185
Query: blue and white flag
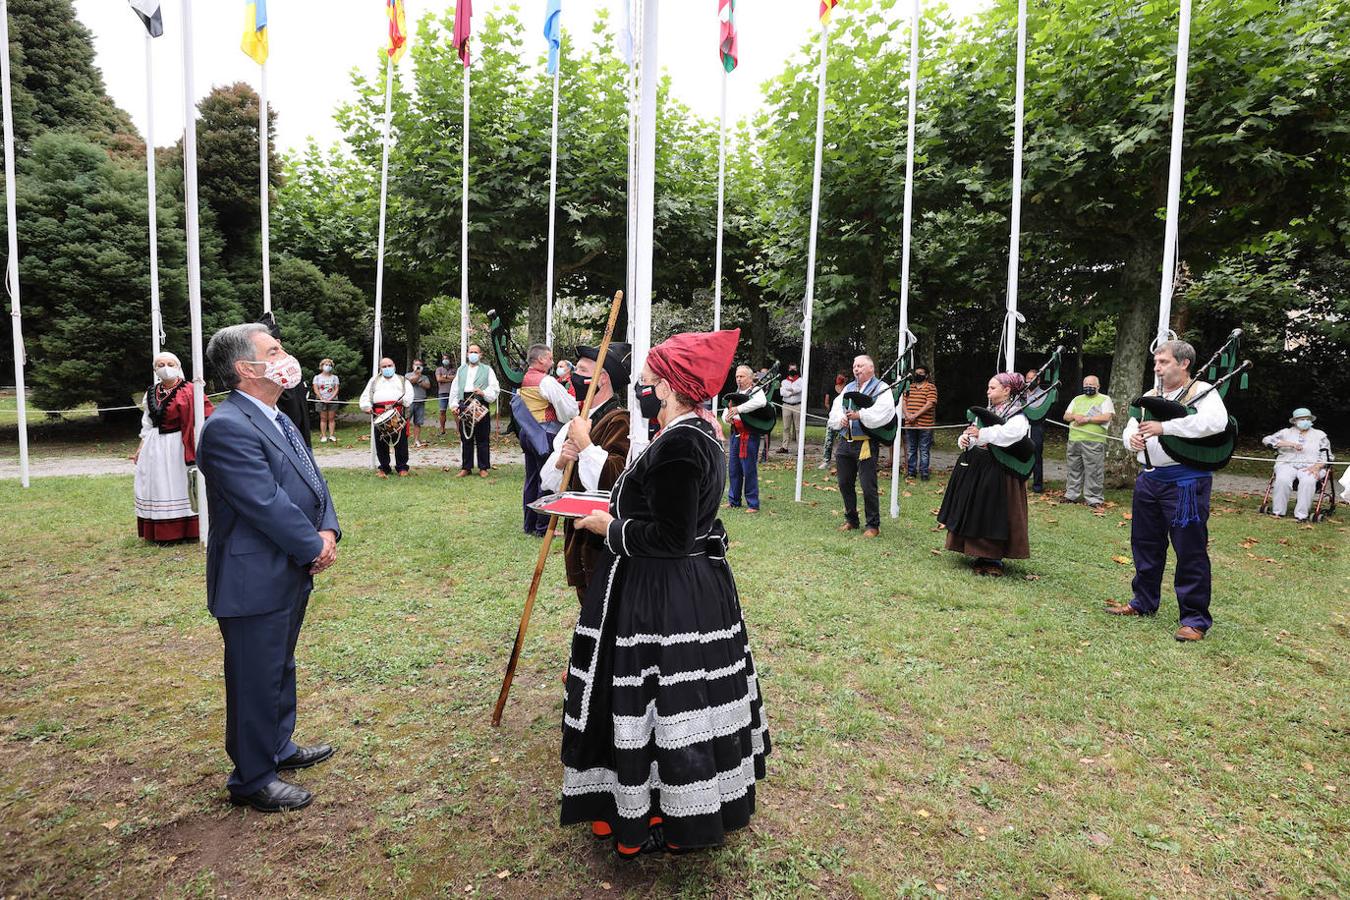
x=553, y=32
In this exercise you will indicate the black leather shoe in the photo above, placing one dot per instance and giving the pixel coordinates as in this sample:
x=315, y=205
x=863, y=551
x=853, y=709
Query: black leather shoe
x=305, y=757
x=279, y=796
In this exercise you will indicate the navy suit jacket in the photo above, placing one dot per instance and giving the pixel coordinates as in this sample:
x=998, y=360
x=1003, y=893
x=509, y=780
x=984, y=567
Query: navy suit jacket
x=265, y=513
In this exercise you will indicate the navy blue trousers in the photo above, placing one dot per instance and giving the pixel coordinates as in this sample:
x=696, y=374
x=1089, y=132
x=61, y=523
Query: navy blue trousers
x=535, y=524
x=743, y=473
x=1151, y=528
x=1038, y=440
x=260, y=693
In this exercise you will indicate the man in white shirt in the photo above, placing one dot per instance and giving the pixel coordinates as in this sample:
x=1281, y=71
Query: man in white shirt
x=856, y=454
x=1303, y=452
x=743, y=459
x=473, y=390
x=1171, y=500
x=389, y=390
x=791, y=393
x=540, y=409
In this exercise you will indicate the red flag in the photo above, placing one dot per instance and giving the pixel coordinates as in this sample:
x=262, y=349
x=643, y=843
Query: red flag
x=726, y=14
x=463, y=17
x=825, y=7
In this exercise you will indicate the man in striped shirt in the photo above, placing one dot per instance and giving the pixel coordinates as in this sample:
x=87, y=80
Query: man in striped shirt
x=920, y=417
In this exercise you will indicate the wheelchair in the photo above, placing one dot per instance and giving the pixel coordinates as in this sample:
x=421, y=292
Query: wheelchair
x=1324, y=500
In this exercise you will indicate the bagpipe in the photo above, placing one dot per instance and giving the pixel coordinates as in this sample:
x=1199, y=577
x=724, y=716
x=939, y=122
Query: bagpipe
x=1040, y=399
x=858, y=400
x=1210, y=453
x=1036, y=396
x=509, y=355
x=762, y=420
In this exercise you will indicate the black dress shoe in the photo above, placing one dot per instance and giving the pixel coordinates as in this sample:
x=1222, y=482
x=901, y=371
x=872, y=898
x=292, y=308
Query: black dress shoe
x=279, y=796
x=304, y=757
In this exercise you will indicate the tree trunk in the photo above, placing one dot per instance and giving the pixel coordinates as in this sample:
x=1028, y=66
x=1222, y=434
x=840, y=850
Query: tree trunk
x=1135, y=329
x=538, y=314
x=875, y=334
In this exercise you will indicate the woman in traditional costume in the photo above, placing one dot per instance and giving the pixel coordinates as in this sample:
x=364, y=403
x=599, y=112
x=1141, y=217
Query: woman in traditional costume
x=164, y=511
x=984, y=507
x=664, y=734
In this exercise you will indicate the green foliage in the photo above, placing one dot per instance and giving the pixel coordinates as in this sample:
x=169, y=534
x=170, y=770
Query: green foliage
x=320, y=315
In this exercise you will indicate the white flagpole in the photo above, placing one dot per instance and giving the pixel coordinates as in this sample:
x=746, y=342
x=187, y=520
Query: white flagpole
x=156, y=318
x=1010, y=314
x=552, y=210
x=640, y=305
x=194, y=259
x=12, y=265
x=1174, y=175
x=633, y=37
x=721, y=203
x=263, y=144
x=811, y=255
x=464, y=237
x=905, y=245
x=377, y=351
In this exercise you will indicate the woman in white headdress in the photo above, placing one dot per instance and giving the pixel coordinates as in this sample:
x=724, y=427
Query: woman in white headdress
x=164, y=509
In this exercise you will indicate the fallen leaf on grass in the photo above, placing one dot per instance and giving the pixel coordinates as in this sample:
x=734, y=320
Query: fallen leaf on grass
x=1032, y=577
x=1127, y=516
x=504, y=874
x=934, y=552
x=1121, y=560
x=1099, y=839
x=111, y=824
x=836, y=806
x=922, y=813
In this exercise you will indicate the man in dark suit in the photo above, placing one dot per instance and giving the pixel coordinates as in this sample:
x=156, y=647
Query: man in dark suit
x=272, y=528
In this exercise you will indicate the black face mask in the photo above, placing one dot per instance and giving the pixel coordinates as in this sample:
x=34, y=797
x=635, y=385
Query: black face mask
x=1089, y=390
x=792, y=373
x=648, y=403
x=580, y=384
x=920, y=378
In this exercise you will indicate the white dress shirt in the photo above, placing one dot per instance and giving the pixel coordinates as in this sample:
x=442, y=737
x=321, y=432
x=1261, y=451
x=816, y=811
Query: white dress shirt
x=878, y=415
x=490, y=391
x=393, y=389
x=755, y=401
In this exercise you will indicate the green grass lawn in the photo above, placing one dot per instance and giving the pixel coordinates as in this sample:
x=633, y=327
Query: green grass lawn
x=934, y=734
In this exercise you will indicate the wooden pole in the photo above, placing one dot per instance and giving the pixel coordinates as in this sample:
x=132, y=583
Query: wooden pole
x=553, y=522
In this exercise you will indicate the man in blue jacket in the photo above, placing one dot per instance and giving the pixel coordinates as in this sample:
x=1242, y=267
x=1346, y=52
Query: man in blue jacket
x=272, y=529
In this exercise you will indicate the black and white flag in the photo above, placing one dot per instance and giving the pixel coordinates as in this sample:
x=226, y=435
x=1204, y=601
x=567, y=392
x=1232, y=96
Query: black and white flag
x=148, y=10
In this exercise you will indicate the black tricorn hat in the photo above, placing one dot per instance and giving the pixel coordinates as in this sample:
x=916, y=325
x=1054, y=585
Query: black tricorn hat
x=618, y=361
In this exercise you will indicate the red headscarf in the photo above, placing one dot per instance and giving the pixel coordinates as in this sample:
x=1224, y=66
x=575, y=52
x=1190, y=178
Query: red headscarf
x=695, y=365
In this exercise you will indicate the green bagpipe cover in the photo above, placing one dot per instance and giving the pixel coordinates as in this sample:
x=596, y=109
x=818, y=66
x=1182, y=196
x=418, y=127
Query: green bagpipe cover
x=512, y=373
x=762, y=420
x=1049, y=375
x=1209, y=454
x=1019, y=457
x=885, y=433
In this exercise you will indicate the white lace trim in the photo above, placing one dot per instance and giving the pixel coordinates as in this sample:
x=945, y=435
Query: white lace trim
x=677, y=800
x=678, y=677
x=687, y=637
x=589, y=680
x=682, y=729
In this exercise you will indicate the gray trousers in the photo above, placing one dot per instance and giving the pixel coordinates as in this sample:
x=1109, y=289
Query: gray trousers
x=1087, y=471
x=1285, y=473
x=792, y=419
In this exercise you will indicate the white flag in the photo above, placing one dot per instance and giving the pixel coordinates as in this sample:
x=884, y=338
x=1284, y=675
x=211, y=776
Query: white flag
x=148, y=10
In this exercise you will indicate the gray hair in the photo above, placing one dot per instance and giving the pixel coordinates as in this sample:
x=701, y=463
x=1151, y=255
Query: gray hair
x=228, y=346
x=871, y=362
x=1181, y=351
x=538, y=352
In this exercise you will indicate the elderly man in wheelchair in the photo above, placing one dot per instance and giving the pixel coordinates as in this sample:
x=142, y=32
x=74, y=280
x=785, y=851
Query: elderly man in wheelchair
x=1303, y=464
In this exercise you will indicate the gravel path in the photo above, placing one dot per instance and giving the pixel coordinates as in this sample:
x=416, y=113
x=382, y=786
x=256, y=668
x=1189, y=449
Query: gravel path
x=447, y=456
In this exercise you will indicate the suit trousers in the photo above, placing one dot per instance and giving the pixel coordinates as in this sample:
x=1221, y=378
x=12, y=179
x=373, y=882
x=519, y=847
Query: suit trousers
x=851, y=471
x=260, y=693
x=1151, y=528
x=481, y=433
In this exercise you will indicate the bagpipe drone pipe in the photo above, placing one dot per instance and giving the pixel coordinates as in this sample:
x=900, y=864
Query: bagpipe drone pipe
x=1019, y=457
x=1210, y=453
x=762, y=420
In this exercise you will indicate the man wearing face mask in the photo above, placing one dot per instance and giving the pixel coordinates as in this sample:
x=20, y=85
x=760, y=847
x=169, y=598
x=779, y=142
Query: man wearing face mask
x=1303, y=452
x=445, y=377
x=294, y=400
x=919, y=410
x=163, y=481
x=421, y=385
x=1088, y=415
x=790, y=392
x=474, y=381
x=598, y=447
x=273, y=528
x=540, y=410
x=389, y=390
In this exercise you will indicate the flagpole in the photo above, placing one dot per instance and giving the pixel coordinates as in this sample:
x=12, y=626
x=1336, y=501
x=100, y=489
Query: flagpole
x=811, y=255
x=630, y=281
x=640, y=310
x=721, y=202
x=12, y=264
x=904, y=251
x=1174, y=176
x=194, y=273
x=552, y=211
x=1010, y=316
x=156, y=318
x=377, y=351
x=264, y=141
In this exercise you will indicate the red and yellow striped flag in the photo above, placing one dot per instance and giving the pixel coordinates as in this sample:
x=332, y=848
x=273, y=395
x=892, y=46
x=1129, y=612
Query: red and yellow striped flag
x=398, y=30
x=825, y=7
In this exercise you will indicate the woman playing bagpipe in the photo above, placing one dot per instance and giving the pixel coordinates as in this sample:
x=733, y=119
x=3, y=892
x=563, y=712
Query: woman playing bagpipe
x=663, y=729
x=1181, y=433
x=985, y=505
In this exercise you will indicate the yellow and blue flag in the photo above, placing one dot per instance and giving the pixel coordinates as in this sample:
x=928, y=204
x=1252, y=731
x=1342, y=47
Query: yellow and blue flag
x=398, y=30
x=553, y=32
x=254, y=43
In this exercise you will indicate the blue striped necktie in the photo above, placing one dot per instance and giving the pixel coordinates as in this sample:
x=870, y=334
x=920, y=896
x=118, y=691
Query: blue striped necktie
x=292, y=435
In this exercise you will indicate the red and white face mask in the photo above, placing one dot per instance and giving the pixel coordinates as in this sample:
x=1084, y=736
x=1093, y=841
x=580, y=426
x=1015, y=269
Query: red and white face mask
x=284, y=372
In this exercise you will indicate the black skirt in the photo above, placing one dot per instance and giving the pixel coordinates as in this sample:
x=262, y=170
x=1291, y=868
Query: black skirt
x=975, y=503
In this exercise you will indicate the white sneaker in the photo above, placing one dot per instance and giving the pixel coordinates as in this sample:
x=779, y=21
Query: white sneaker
x=823, y=465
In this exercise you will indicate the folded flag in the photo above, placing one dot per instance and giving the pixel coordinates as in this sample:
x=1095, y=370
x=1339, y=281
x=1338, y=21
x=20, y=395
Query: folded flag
x=726, y=13
x=148, y=10
x=825, y=7
x=398, y=30
x=254, y=43
x=463, y=19
x=553, y=32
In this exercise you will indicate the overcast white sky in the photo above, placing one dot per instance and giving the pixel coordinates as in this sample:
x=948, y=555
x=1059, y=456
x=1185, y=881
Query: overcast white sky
x=315, y=44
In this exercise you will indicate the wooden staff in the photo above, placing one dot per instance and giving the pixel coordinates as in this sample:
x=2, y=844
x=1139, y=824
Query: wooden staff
x=553, y=521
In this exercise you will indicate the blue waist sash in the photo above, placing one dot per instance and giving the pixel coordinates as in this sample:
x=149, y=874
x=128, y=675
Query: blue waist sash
x=1186, y=479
